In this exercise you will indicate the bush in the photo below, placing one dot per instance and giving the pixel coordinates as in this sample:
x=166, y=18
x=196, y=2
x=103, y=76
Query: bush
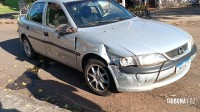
x=12, y=4
x=137, y=8
x=140, y=10
x=29, y=1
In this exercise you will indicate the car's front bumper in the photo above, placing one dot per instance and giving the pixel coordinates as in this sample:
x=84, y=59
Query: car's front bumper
x=132, y=79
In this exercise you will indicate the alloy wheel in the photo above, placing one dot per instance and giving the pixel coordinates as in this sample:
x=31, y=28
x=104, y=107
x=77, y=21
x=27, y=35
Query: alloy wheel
x=27, y=48
x=97, y=78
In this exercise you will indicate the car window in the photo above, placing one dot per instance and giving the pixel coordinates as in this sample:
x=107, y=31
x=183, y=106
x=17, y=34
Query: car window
x=109, y=8
x=89, y=13
x=37, y=12
x=55, y=15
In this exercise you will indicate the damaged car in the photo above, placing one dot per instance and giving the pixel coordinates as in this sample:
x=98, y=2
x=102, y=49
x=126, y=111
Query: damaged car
x=115, y=50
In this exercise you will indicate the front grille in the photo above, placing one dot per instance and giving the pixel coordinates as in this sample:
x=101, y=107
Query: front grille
x=178, y=51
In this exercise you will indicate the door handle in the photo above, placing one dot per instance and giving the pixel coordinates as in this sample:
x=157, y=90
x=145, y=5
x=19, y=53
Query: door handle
x=27, y=27
x=46, y=33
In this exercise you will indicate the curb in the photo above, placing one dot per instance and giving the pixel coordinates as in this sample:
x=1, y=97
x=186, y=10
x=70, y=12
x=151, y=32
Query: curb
x=6, y=22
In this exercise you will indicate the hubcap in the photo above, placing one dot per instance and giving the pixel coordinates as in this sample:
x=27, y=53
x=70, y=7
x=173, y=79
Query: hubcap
x=97, y=78
x=27, y=48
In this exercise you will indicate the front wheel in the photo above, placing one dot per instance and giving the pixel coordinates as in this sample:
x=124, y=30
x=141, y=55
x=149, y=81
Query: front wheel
x=98, y=77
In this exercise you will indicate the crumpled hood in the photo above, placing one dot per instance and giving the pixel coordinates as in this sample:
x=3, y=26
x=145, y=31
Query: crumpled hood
x=140, y=36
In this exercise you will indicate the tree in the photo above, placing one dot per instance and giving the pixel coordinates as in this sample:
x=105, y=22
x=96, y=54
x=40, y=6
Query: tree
x=29, y=1
x=2, y=1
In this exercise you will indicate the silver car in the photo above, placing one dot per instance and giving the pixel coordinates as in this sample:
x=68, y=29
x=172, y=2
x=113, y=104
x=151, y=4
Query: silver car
x=112, y=47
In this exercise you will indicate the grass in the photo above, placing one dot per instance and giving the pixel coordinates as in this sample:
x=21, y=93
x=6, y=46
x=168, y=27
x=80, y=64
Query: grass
x=6, y=9
x=10, y=6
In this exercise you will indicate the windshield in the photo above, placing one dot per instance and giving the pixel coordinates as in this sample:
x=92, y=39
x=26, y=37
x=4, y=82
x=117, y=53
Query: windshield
x=89, y=13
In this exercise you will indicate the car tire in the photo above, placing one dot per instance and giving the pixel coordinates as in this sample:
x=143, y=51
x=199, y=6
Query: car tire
x=99, y=78
x=29, y=51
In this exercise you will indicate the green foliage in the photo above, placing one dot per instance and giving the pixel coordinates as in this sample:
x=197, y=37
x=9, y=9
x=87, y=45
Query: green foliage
x=12, y=4
x=9, y=6
x=2, y=1
x=29, y=1
x=6, y=9
x=140, y=11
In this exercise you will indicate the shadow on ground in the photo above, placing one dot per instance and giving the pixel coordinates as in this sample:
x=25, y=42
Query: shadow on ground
x=8, y=15
x=50, y=91
x=7, y=110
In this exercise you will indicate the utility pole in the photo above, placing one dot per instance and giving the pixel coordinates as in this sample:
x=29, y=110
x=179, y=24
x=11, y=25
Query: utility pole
x=124, y=3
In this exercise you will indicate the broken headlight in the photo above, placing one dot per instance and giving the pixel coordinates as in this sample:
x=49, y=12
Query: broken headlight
x=151, y=59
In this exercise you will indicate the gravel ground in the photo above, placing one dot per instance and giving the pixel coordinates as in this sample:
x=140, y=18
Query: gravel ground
x=179, y=16
x=61, y=85
x=11, y=102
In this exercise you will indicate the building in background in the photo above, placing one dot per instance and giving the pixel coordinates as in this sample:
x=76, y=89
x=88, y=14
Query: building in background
x=130, y=3
x=157, y=3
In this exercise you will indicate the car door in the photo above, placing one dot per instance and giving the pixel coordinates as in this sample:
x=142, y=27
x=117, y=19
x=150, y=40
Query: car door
x=61, y=48
x=34, y=27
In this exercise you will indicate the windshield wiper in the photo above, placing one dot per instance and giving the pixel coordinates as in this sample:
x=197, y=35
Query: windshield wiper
x=122, y=18
x=114, y=20
x=110, y=21
x=95, y=23
x=101, y=22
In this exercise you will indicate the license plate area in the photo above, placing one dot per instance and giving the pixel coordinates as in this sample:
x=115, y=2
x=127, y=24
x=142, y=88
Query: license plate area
x=181, y=66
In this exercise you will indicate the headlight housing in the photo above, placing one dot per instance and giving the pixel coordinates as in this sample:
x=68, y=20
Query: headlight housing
x=127, y=61
x=151, y=59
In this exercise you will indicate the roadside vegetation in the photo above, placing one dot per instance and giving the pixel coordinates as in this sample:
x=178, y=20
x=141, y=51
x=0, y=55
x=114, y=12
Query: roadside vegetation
x=9, y=6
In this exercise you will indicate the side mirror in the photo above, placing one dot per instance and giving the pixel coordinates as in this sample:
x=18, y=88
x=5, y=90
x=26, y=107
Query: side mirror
x=64, y=29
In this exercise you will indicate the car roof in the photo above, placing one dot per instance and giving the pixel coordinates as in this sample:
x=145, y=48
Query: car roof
x=58, y=0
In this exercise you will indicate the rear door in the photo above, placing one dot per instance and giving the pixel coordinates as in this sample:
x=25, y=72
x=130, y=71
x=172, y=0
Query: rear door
x=34, y=27
x=61, y=48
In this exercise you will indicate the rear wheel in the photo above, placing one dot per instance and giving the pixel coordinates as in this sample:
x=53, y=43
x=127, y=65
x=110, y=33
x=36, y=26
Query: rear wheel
x=98, y=77
x=30, y=53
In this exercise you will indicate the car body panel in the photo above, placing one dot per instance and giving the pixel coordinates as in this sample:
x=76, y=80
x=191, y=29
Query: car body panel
x=111, y=42
x=62, y=48
x=139, y=36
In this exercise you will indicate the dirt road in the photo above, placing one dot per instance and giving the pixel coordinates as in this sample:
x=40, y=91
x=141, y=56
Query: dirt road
x=179, y=15
x=63, y=86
